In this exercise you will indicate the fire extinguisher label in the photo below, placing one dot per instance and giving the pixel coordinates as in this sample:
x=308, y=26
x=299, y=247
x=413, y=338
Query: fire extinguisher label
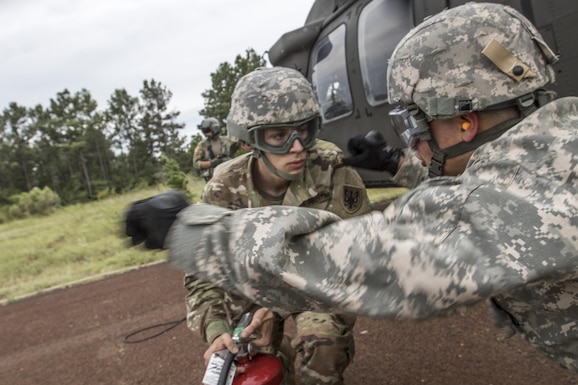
x=215, y=367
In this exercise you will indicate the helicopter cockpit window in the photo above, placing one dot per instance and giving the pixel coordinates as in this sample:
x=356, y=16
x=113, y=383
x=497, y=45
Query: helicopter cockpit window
x=329, y=76
x=382, y=24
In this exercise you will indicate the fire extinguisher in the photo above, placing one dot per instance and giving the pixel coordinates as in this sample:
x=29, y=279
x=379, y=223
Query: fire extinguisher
x=260, y=368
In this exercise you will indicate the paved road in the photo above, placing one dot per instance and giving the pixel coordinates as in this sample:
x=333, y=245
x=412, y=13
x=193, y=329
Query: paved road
x=76, y=336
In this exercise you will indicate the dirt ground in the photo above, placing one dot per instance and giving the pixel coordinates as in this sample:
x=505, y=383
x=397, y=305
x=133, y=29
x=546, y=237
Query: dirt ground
x=77, y=336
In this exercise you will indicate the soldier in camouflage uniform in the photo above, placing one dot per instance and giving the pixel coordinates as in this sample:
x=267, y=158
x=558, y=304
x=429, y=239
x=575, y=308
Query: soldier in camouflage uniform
x=274, y=112
x=498, y=224
x=212, y=151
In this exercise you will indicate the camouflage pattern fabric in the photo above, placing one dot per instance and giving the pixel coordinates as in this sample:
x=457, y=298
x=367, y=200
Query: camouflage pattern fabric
x=326, y=184
x=438, y=65
x=271, y=96
x=323, y=341
x=410, y=173
x=504, y=231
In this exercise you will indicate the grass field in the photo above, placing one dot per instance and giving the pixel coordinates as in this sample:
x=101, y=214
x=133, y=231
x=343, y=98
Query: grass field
x=75, y=242
x=79, y=243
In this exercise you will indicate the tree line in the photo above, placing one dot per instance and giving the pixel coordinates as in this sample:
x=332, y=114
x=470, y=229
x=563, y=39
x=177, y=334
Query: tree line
x=83, y=153
x=79, y=151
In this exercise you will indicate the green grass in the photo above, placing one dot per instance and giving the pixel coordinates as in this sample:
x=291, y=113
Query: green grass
x=79, y=243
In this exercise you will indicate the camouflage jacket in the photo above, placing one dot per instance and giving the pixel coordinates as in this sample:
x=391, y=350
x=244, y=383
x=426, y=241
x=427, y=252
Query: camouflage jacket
x=202, y=152
x=326, y=184
x=504, y=231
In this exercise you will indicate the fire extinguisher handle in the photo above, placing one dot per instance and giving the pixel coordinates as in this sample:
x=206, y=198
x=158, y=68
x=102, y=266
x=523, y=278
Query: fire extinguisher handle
x=243, y=323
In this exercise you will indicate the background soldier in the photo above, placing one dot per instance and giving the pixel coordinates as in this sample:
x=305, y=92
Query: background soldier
x=212, y=151
x=496, y=222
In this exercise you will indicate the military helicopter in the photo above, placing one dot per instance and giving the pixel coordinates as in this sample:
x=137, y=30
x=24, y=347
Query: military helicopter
x=344, y=46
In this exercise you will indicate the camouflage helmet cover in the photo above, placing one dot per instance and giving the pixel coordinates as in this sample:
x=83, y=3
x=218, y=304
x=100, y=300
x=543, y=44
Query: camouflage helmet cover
x=469, y=58
x=270, y=97
x=211, y=124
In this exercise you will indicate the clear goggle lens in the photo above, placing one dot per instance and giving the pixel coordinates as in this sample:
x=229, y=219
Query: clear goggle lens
x=279, y=139
x=410, y=124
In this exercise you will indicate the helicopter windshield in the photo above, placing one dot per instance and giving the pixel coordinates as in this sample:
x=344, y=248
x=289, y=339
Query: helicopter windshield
x=382, y=24
x=330, y=76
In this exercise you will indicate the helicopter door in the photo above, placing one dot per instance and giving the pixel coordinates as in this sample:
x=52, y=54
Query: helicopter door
x=348, y=65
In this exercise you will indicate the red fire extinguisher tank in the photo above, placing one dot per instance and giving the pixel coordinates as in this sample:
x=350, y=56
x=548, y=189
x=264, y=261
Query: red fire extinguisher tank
x=262, y=369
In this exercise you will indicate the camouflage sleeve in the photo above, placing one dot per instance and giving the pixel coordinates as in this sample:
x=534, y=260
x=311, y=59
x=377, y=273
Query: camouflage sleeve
x=198, y=156
x=206, y=309
x=411, y=173
x=206, y=314
x=431, y=251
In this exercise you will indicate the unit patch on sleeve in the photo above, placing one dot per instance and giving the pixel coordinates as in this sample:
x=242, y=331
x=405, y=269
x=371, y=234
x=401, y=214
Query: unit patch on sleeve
x=351, y=198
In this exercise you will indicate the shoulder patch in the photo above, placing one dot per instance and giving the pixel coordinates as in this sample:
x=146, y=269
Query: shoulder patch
x=351, y=200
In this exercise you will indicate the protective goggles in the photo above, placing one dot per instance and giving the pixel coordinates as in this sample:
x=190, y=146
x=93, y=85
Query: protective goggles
x=279, y=139
x=410, y=124
x=204, y=127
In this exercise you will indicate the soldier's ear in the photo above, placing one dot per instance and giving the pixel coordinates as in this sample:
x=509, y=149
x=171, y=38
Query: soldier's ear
x=469, y=126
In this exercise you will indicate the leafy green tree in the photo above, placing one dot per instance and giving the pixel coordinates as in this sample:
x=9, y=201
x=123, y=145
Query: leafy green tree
x=5, y=159
x=173, y=176
x=121, y=119
x=74, y=132
x=49, y=156
x=17, y=159
x=223, y=81
x=158, y=126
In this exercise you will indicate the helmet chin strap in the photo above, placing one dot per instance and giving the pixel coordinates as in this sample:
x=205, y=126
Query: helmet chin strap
x=439, y=156
x=283, y=175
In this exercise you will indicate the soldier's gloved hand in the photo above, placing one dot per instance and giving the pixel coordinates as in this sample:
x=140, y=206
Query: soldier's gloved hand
x=371, y=151
x=149, y=220
x=217, y=161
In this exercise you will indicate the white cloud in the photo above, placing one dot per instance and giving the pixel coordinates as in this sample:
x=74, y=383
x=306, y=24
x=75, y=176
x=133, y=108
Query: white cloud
x=51, y=45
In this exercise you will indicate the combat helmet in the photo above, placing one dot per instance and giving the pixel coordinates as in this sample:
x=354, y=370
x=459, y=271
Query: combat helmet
x=273, y=97
x=473, y=57
x=269, y=97
x=211, y=124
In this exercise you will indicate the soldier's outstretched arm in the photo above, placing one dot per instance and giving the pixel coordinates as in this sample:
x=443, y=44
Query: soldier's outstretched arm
x=429, y=252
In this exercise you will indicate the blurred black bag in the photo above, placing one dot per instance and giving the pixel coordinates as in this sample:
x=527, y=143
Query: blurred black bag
x=149, y=220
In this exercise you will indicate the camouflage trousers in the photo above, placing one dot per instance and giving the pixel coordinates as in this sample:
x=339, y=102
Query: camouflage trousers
x=323, y=347
x=320, y=349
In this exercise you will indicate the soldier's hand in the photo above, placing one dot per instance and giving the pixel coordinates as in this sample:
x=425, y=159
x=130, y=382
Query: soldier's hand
x=224, y=341
x=149, y=220
x=262, y=324
x=371, y=151
x=217, y=161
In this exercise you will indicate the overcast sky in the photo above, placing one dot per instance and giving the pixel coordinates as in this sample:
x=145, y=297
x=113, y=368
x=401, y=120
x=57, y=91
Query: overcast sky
x=47, y=46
